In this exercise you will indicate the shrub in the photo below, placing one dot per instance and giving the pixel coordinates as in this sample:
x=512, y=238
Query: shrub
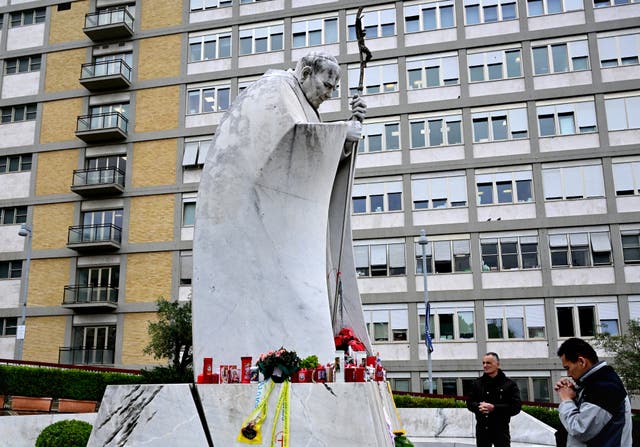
x=407, y=401
x=166, y=374
x=56, y=383
x=67, y=433
x=549, y=416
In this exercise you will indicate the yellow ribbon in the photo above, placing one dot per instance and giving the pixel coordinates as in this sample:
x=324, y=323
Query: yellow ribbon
x=282, y=406
x=251, y=431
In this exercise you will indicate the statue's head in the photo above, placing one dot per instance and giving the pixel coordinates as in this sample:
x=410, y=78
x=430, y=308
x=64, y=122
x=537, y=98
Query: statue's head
x=318, y=74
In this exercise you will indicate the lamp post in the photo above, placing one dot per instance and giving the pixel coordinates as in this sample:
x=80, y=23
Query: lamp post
x=25, y=231
x=423, y=243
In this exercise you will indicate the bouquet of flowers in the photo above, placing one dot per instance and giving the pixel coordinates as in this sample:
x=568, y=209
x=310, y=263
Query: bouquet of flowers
x=278, y=365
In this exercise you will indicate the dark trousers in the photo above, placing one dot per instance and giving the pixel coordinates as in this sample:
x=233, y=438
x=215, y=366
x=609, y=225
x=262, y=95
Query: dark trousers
x=496, y=436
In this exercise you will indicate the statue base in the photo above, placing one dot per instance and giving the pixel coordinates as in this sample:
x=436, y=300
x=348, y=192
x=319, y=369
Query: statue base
x=212, y=415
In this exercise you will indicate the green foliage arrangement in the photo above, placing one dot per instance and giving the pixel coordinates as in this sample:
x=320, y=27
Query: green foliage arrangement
x=626, y=354
x=59, y=383
x=171, y=335
x=309, y=362
x=67, y=433
x=549, y=416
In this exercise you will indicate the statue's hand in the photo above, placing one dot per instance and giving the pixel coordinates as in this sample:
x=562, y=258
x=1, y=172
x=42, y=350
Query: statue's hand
x=358, y=108
x=354, y=130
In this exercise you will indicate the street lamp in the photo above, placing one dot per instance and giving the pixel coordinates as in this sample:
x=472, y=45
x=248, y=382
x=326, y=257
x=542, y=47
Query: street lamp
x=24, y=231
x=427, y=337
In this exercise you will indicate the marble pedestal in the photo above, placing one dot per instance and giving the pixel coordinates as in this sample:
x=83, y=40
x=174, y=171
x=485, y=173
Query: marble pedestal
x=338, y=414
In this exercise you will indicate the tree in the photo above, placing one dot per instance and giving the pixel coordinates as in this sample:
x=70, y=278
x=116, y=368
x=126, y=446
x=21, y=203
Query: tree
x=171, y=336
x=626, y=354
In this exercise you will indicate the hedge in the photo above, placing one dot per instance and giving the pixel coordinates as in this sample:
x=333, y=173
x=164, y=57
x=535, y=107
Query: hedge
x=67, y=433
x=547, y=415
x=59, y=383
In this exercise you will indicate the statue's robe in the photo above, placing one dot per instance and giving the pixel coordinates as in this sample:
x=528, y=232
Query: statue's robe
x=273, y=188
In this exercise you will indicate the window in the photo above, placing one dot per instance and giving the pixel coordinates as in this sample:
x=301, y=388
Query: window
x=13, y=114
x=28, y=17
x=634, y=307
x=560, y=57
x=97, y=284
x=373, y=258
x=572, y=182
x=452, y=256
x=93, y=345
x=504, y=187
x=580, y=249
x=195, y=153
x=623, y=113
x=436, y=131
x=188, y=213
x=603, y=3
x=487, y=11
x=376, y=24
x=314, y=32
x=386, y=323
x=377, y=197
x=617, y=51
x=261, y=40
x=209, y=99
x=439, y=192
x=209, y=47
x=110, y=64
x=432, y=71
x=566, y=119
x=23, y=64
x=509, y=253
x=8, y=326
x=588, y=319
x=199, y=5
x=631, y=246
x=400, y=384
x=429, y=16
x=515, y=320
x=626, y=177
x=381, y=78
x=495, y=65
x=382, y=136
x=448, y=321
x=500, y=125
x=15, y=163
x=10, y=269
x=186, y=268
x=544, y=7
x=13, y=215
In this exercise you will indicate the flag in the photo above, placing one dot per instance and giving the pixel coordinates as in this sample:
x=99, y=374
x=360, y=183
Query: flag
x=427, y=335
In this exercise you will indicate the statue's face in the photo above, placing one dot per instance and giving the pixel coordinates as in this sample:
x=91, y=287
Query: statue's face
x=318, y=86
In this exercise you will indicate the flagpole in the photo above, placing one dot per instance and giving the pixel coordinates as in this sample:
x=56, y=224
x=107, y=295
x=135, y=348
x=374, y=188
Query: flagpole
x=427, y=337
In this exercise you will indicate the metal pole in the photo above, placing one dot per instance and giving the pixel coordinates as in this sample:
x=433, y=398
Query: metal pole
x=423, y=242
x=25, y=231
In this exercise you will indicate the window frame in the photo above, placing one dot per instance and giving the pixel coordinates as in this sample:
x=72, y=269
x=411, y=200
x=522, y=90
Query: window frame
x=37, y=16
x=203, y=40
x=202, y=98
x=419, y=9
x=501, y=255
x=445, y=131
x=324, y=38
x=389, y=270
x=597, y=309
x=32, y=62
x=572, y=47
x=456, y=257
x=575, y=252
x=482, y=10
x=204, y=7
x=421, y=197
x=256, y=33
x=395, y=315
x=488, y=59
x=497, y=178
x=369, y=23
x=18, y=113
x=11, y=269
x=379, y=78
x=435, y=324
x=516, y=310
x=423, y=64
x=18, y=215
x=21, y=162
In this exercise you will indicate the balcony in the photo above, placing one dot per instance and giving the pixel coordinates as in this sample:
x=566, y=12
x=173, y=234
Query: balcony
x=102, y=127
x=96, y=238
x=108, y=75
x=98, y=182
x=112, y=24
x=68, y=355
x=90, y=298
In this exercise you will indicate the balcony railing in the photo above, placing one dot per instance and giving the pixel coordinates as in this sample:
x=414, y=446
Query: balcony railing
x=94, y=237
x=98, y=181
x=90, y=297
x=111, y=24
x=109, y=126
x=83, y=356
x=104, y=75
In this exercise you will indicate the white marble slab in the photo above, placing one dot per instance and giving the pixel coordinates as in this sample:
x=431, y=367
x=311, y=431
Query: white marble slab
x=22, y=431
x=149, y=415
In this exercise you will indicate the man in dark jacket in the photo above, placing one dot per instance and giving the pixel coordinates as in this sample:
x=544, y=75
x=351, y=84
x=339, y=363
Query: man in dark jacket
x=494, y=399
x=595, y=409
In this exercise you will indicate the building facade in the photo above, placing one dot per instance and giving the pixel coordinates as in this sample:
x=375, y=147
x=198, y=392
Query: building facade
x=508, y=130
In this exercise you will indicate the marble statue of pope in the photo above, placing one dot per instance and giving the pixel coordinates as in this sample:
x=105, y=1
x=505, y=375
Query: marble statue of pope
x=269, y=219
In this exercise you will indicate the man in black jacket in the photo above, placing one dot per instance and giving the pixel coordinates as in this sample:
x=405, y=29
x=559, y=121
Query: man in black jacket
x=494, y=399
